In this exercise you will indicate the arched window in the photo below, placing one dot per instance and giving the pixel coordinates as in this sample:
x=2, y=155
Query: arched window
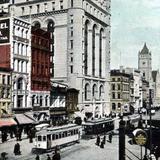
x=37, y=25
x=94, y=91
x=101, y=92
x=113, y=86
x=100, y=53
x=86, y=48
x=113, y=106
x=87, y=92
x=93, y=49
x=20, y=84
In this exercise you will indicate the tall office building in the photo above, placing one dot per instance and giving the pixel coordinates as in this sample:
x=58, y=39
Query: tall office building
x=80, y=45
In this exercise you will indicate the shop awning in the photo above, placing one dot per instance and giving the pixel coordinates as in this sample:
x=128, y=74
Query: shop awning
x=22, y=119
x=4, y=122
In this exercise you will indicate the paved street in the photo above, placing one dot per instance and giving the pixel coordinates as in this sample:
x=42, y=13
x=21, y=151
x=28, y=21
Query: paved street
x=86, y=150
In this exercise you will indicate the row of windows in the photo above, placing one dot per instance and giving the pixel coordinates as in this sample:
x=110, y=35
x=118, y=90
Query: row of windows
x=20, y=66
x=40, y=41
x=94, y=92
x=116, y=95
x=42, y=86
x=40, y=100
x=114, y=106
x=20, y=49
x=58, y=135
x=94, y=49
x=116, y=87
x=21, y=32
x=92, y=10
x=20, y=84
x=5, y=93
x=5, y=79
x=45, y=7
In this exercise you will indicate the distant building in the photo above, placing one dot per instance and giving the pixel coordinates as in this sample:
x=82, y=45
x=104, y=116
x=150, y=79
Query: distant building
x=120, y=91
x=5, y=91
x=156, y=87
x=145, y=63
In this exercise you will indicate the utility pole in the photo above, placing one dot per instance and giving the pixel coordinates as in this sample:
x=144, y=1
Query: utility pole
x=150, y=118
x=122, y=139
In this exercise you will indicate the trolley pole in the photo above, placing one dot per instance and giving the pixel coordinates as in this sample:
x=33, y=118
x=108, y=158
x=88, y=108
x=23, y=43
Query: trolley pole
x=122, y=139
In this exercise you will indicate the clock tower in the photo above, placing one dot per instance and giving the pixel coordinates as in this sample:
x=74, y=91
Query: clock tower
x=145, y=63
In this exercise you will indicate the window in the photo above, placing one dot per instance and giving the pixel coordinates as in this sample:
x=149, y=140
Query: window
x=119, y=86
x=87, y=92
x=101, y=92
x=113, y=106
x=71, y=31
x=3, y=79
x=93, y=49
x=94, y=91
x=71, y=44
x=44, y=138
x=20, y=84
x=100, y=53
x=113, y=95
x=53, y=137
x=45, y=7
x=61, y=4
x=40, y=101
x=8, y=80
x=71, y=3
x=20, y=101
x=119, y=95
x=53, y=6
x=22, y=10
x=39, y=138
x=71, y=59
x=86, y=48
x=113, y=86
x=71, y=69
x=37, y=8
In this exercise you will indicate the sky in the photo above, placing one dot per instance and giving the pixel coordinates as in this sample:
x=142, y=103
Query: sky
x=134, y=22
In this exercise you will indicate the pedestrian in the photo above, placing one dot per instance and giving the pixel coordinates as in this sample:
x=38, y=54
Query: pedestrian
x=110, y=137
x=104, y=139
x=17, y=149
x=98, y=140
x=48, y=157
x=37, y=157
x=102, y=144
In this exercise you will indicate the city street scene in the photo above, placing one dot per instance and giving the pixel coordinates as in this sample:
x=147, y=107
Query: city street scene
x=79, y=80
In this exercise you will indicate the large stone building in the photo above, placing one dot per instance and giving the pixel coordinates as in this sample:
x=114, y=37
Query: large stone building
x=80, y=45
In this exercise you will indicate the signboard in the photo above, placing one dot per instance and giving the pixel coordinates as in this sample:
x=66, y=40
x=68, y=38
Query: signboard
x=140, y=137
x=4, y=31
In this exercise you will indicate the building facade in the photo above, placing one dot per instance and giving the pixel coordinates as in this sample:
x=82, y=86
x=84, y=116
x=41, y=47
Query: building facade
x=120, y=91
x=15, y=50
x=40, y=68
x=5, y=91
x=80, y=45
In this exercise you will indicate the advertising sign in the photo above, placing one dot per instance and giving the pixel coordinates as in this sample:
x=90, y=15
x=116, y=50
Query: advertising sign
x=4, y=31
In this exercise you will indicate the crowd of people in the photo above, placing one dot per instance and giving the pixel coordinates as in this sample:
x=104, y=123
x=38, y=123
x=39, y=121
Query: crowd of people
x=101, y=142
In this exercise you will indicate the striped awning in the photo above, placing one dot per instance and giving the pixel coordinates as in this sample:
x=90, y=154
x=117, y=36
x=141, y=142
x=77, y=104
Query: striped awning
x=23, y=119
x=4, y=122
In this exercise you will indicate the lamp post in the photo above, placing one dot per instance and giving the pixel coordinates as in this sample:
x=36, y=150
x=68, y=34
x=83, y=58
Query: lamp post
x=122, y=139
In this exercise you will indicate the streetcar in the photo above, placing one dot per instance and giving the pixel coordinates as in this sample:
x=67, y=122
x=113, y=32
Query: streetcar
x=98, y=126
x=52, y=137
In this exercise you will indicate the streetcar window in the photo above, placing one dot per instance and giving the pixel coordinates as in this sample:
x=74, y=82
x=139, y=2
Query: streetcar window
x=60, y=135
x=39, y=138
x=53, y=137
x=71, y=133
x=44, y=138
x=65, y=134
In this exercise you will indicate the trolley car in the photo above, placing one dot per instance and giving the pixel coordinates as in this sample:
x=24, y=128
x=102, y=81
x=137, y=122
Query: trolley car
x=98, y=126
x=52, y=137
